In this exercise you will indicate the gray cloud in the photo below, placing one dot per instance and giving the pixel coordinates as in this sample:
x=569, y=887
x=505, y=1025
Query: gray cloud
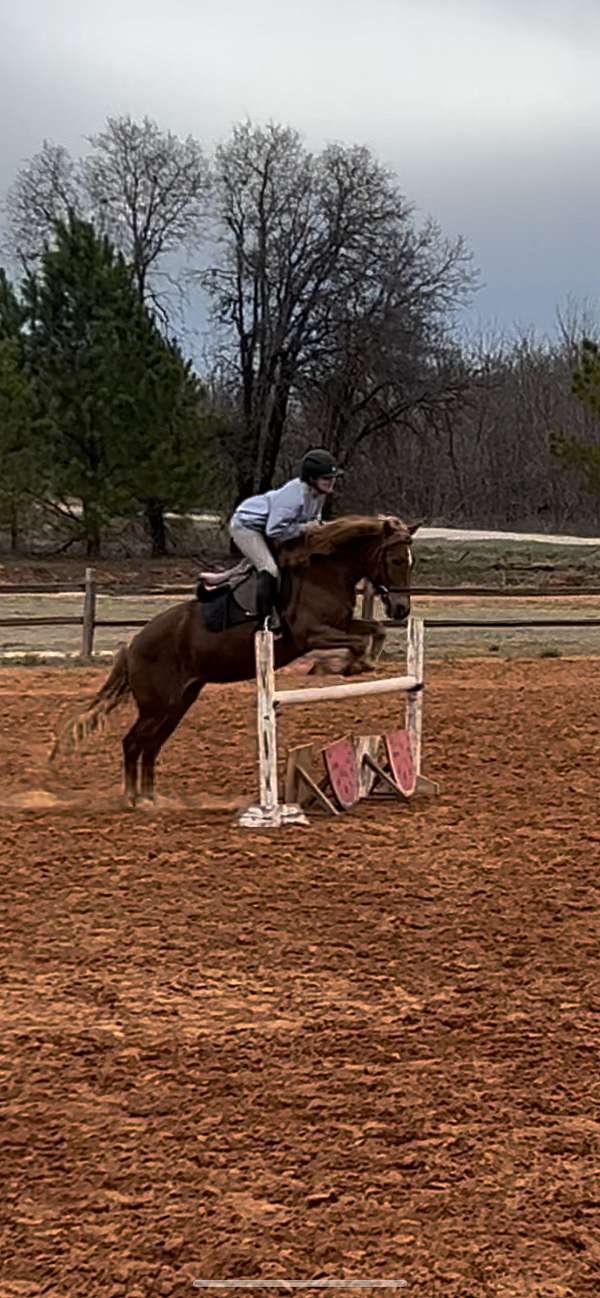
x=486, y=109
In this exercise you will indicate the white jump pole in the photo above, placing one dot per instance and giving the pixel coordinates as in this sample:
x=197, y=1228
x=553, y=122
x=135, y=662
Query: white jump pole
x=329, y=693
x=270, y=812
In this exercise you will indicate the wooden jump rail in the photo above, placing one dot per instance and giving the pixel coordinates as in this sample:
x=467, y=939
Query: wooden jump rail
x=270, y=812
x=88, y=620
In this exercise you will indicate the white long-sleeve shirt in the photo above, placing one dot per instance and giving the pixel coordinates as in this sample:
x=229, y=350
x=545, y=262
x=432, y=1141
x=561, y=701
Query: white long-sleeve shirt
x=282, y=513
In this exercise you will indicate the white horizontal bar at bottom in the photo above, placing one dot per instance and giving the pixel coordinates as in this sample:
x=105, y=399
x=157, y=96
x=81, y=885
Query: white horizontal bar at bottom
x=354, y=690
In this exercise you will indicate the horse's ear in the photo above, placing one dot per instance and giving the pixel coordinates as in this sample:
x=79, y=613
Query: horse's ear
x=391, y=526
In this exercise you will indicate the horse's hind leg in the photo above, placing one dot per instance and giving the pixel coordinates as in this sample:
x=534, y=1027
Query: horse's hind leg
x=154, y=736
x=132, y=747
x=152, y=743
x=144, y=741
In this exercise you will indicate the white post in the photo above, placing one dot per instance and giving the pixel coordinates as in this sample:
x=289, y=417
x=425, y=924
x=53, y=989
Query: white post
x=269, y=812
x=415, y=665
x=415, y=645
x=267, y=724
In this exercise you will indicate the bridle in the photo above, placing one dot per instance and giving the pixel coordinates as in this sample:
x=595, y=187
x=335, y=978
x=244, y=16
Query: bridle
x=383, y=588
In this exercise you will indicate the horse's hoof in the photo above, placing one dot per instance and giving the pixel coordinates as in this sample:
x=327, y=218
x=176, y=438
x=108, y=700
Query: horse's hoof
x=329, y=662
x=362, y=667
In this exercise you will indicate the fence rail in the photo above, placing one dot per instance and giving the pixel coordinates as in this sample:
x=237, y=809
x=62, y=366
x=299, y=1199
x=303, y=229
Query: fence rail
x=90, y=591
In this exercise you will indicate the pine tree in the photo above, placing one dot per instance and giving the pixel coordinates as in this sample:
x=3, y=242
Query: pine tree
x=175, y=456
x=585, y=385
x=20, y=469
x=121, y=405
x=12, y=312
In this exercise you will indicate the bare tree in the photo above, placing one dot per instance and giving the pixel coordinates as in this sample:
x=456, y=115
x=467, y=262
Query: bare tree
x=575, y=320
x=492, y=464
x=393, y=361
x=150, y=192
x=145, y=188
x=46, y=189
x=480, y=455
x=324, y=284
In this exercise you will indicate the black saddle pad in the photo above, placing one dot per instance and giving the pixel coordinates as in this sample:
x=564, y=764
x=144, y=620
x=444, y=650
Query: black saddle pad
x=228, y=606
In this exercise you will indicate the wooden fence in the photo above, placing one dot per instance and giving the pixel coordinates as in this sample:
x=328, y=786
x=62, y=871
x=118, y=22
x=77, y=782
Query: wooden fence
x=89, y=621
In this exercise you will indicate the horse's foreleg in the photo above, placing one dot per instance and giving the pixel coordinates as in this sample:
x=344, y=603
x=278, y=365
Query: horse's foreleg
x=374, y=631
x=355, y=647
x=330, y=662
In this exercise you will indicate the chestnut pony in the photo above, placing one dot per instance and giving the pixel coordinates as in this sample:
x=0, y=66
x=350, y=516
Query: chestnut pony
x=166, y=665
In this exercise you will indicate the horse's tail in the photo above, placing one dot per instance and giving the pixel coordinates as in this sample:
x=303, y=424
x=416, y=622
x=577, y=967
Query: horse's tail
x=115, y=690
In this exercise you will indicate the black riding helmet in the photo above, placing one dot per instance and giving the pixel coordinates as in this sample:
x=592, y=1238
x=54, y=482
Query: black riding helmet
x=319, y=464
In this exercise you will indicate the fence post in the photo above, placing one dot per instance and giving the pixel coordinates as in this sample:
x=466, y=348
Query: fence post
x=89, y=615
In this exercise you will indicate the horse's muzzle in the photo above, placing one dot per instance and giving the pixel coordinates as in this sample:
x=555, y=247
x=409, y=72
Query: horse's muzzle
x=397, y=607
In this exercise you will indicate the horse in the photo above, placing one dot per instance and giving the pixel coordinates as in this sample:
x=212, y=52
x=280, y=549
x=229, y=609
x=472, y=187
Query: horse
x=169, y=661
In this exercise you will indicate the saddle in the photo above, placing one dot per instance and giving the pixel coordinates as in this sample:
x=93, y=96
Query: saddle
x=228, y=598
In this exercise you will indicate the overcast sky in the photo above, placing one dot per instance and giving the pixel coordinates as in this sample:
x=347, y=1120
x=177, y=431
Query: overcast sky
x=488, y=110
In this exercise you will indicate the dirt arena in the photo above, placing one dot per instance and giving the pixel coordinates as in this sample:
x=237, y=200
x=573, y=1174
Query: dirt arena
x=367, y=1048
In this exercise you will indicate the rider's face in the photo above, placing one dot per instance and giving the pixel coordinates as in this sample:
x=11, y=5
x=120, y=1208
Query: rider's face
x=325, y=485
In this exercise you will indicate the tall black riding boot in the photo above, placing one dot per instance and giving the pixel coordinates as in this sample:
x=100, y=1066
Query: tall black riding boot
x=266, y=598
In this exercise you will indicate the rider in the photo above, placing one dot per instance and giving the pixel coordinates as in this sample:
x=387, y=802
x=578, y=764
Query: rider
x=282, y=515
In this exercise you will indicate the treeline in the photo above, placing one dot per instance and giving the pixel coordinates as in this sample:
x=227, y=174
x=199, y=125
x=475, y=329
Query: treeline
x=519, y=450
x=334, y=317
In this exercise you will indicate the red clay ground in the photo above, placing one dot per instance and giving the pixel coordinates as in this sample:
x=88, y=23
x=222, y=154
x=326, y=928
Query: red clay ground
x=367, y=1048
